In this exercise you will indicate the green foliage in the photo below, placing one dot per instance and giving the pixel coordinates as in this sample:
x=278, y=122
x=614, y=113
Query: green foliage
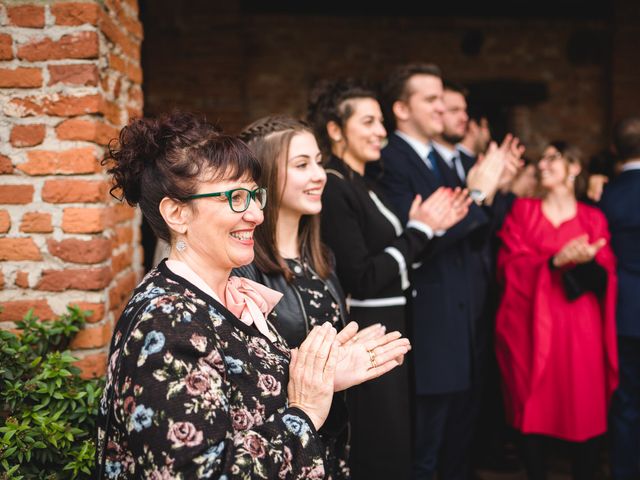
x=47, y=412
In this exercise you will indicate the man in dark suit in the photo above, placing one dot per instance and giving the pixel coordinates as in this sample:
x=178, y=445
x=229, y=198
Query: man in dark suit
x=455, y=123
x=620, y=202
x=450, y=285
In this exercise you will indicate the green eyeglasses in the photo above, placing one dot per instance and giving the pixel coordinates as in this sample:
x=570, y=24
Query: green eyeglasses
x=239, y=198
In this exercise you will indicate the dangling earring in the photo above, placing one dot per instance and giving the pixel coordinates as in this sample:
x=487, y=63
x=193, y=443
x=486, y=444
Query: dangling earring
x=181, y=245
x=571, y=178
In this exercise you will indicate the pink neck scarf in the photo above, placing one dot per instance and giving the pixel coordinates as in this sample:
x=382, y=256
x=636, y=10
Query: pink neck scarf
x=250, y=301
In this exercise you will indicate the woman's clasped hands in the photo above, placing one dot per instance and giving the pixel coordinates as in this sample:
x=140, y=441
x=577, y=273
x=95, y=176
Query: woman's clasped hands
x=578, y=250
x=327, y=362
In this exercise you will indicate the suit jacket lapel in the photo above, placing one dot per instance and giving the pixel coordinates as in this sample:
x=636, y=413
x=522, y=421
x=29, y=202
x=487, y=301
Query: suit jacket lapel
x=415, y=160
x=467, y=161
x=450, y=177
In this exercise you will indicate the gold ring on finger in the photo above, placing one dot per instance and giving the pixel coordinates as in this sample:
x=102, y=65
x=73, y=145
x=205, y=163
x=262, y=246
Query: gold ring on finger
x=372, y=358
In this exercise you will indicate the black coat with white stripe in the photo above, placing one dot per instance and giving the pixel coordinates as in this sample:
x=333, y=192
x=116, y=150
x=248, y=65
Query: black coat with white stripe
x=372, y=248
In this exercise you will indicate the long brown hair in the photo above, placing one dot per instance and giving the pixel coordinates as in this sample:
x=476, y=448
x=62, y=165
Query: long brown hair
x=269, y=139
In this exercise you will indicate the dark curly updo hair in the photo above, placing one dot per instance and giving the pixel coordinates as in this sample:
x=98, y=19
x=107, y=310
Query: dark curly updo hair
x=329, y=102
x=168, y=157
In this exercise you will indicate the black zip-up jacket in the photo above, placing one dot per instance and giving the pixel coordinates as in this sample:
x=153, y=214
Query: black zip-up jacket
x=289, y=311
x=290, y=308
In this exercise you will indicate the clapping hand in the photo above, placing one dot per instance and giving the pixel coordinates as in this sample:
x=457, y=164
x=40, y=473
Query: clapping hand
x=312, y=373
x=368, y=355
x=513, y=161
x=485, y=174
x=442, y=209
x=578, y=250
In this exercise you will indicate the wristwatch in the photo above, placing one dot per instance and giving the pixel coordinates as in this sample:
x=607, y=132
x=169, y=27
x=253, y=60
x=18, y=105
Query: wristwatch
x=478, y=196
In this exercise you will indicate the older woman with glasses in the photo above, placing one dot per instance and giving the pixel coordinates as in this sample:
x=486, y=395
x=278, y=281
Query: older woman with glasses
x=199, y=384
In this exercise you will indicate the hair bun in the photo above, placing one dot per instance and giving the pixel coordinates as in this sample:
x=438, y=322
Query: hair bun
x=143, y=141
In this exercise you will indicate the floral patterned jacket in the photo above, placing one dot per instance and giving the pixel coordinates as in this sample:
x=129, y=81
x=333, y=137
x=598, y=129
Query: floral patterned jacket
x=198, y=394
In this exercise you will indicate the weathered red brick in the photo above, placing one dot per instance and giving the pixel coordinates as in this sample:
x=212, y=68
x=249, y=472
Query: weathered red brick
x=112, y=112
x=6, y=166
x=73, y=45
x=21, y=77
x=27, y=135
x=92, y=337
x=85, y=74
x=5, y=221
x=75, y=250
x=117, y=63
x=73, y=161
x=121, y=291
x=134, y=72
x=114, y=33
x=13, y=311
x=55, y=105
x=16, y=194
x=26, y=16
x=75, y=13
x=121, y=261
x=22, y=279
x=74, y=191
x=88, y=130
x=124, y=234
x=92, y=366
x=84, y=220
x=6, y=49
x=36, y=222
x=123, y=212
x=74, y=278
x=19, y=249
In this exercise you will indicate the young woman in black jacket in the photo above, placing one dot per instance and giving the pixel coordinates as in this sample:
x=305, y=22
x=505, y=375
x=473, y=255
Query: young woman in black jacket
x=290, y=258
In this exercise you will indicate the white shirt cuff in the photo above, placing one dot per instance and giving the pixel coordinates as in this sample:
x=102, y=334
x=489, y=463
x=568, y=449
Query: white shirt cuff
x=423, y=227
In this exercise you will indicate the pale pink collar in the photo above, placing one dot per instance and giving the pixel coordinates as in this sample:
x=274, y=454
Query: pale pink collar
x=250, y=301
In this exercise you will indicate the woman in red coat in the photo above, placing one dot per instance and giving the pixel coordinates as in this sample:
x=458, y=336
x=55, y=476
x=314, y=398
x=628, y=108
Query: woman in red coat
x=555, y=327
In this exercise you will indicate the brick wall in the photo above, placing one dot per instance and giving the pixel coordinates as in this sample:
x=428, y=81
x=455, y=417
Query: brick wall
x=70, y=77
x=625, y=70
x=237, y=65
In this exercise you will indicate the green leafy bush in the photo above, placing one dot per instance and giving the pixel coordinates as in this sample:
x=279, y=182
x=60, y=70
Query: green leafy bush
x=47, y=412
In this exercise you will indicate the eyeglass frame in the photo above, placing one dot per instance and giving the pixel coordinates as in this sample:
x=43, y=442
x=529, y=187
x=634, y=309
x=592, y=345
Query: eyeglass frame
x=228, y=193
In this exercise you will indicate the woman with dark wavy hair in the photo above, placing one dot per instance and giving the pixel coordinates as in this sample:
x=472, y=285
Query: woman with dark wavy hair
x=200, y=384
x=374, y=254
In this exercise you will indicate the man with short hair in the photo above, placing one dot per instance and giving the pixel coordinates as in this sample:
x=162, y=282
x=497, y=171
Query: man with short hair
x=450, y=286
x=619, y=203
x=455, y=122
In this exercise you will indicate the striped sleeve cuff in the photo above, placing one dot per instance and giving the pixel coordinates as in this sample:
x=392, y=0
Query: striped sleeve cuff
x=402, y=265
x=423, y=227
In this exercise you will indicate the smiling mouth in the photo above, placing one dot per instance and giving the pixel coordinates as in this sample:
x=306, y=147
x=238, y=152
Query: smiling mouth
x=246, y=235
x=315, y=191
